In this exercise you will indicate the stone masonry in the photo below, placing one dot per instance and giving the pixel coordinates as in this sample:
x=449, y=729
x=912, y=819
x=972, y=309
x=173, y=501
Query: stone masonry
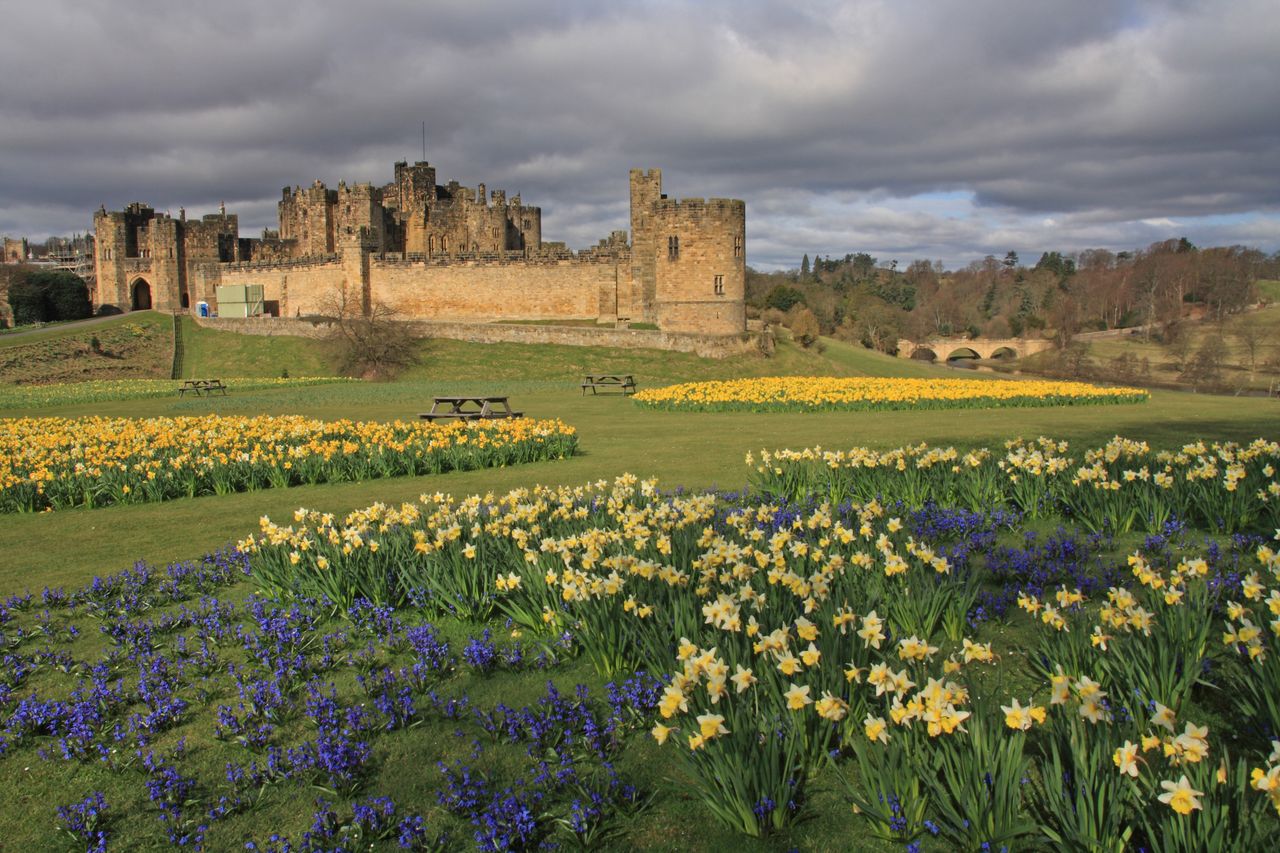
x=438, y=253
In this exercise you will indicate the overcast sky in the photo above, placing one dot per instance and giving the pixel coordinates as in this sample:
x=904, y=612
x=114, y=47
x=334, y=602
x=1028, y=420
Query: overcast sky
x=905, y=128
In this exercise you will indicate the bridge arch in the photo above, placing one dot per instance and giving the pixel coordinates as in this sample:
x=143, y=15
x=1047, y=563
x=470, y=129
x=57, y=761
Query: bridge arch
x=1003, y=353
x=924, y=354
x=140, y=295
x=961, y=353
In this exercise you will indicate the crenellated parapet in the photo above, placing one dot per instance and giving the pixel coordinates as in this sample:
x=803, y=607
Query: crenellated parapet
x=436, y=250
x=688, y=259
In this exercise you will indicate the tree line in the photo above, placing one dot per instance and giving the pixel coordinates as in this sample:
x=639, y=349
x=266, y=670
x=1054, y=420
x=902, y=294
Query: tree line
x=858, y=298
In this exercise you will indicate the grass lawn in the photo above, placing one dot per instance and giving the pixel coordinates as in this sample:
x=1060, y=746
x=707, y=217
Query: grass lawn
x=691, y=450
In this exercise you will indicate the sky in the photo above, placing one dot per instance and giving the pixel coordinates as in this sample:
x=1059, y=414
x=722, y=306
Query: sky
x=943, y=130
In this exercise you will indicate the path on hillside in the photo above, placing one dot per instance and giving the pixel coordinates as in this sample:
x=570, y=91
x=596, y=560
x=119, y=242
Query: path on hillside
x=58, y=327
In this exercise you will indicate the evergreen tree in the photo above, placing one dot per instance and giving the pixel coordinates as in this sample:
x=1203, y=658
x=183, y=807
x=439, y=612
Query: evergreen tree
x=804, y=265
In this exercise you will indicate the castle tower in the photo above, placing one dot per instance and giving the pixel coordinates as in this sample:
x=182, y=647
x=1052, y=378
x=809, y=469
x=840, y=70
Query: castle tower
x=688, y=259
x=415, y=186
x=122, y=259
x=307, y=217
x=646, y=189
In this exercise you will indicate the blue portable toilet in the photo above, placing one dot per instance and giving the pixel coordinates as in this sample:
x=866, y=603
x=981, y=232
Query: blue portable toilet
x=203, y=308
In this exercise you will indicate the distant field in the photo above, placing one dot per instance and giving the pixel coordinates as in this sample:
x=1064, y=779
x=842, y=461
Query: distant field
x=1240, y=369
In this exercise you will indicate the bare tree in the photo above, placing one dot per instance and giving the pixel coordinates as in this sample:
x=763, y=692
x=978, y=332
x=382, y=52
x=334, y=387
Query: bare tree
x=372, y=342
x=1204, y=370
x=1251, y=338
x=1179, y=348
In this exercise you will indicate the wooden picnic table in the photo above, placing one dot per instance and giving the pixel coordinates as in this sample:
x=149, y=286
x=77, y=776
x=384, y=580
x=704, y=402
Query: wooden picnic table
x=470, y=408
x=623, y=382
x=201, y=387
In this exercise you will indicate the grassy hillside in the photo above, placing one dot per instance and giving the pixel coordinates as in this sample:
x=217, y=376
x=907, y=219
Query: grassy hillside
x=131, y=346
x=209, y=352
x=1246, y=347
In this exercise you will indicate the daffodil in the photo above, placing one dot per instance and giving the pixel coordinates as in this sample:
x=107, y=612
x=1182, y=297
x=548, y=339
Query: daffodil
x=1126, y=759
x=711, y=725
x=876, y=728
x=797, y=697
x=1180, y=796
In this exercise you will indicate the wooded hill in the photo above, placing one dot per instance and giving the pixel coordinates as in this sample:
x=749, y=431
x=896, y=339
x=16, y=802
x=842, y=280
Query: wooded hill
x=856, y=298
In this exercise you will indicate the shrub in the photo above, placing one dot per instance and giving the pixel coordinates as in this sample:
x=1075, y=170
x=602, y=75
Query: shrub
x=784, y=298
x=804, y=328
x=42, y=296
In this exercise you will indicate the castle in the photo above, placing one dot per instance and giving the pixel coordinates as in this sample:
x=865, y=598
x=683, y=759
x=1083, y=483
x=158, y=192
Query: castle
x=437, y=252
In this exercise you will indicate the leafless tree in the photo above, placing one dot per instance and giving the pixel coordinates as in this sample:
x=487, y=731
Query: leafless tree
x=1251, y=338
x=370, y=341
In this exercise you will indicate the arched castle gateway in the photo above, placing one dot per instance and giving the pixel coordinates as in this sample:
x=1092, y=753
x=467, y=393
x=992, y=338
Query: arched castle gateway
x=439, y=252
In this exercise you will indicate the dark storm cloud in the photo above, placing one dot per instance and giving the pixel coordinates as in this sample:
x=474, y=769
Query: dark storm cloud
x=929, y=129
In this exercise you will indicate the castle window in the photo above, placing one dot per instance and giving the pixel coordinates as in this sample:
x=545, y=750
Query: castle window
x=526, y=225
x=673, y=248
x=431, y=244
x=737, y=246
x=719, y=285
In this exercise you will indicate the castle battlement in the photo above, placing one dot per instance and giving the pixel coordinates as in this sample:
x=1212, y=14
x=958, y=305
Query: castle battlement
x=304, y=261
x=701, y=206
x=440, y=251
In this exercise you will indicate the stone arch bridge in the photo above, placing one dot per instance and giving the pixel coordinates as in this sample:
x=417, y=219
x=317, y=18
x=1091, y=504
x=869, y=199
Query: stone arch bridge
x=944, y=349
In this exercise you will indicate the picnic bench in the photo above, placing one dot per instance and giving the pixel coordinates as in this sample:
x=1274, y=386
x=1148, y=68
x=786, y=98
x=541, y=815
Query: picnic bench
x=469, y=409
x=201, y=387
x=622, y=382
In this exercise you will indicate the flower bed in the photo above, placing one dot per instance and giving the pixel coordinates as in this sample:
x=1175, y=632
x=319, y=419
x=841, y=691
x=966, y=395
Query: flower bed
x=214, y=723
x=825, y=393
x=54, y=463
x=852, y=664
x=847, y=642
x=101, y=390
x=1121, y=486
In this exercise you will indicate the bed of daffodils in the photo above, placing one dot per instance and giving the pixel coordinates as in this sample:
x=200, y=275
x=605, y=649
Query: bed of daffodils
x=1121, y=486
x=55, y=463
x=827, y=393
x=967, y=684
x=101, y=390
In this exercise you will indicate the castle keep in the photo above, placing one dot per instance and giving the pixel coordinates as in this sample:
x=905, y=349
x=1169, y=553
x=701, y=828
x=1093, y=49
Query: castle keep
x=437, y=252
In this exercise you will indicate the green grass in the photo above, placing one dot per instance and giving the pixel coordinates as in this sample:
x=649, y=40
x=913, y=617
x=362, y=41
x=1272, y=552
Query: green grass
x=59, y=331
x=681, y=449
x=1269, y=289
x=1235, y=374
x=210, y=352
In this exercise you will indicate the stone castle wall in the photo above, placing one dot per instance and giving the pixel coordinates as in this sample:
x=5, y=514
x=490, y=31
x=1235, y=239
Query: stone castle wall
x=439, y=252
x=707, y=346
x=495, y=290
x=290, y=289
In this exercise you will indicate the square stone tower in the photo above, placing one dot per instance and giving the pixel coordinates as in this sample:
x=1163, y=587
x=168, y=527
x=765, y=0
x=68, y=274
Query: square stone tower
x=688, y=259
